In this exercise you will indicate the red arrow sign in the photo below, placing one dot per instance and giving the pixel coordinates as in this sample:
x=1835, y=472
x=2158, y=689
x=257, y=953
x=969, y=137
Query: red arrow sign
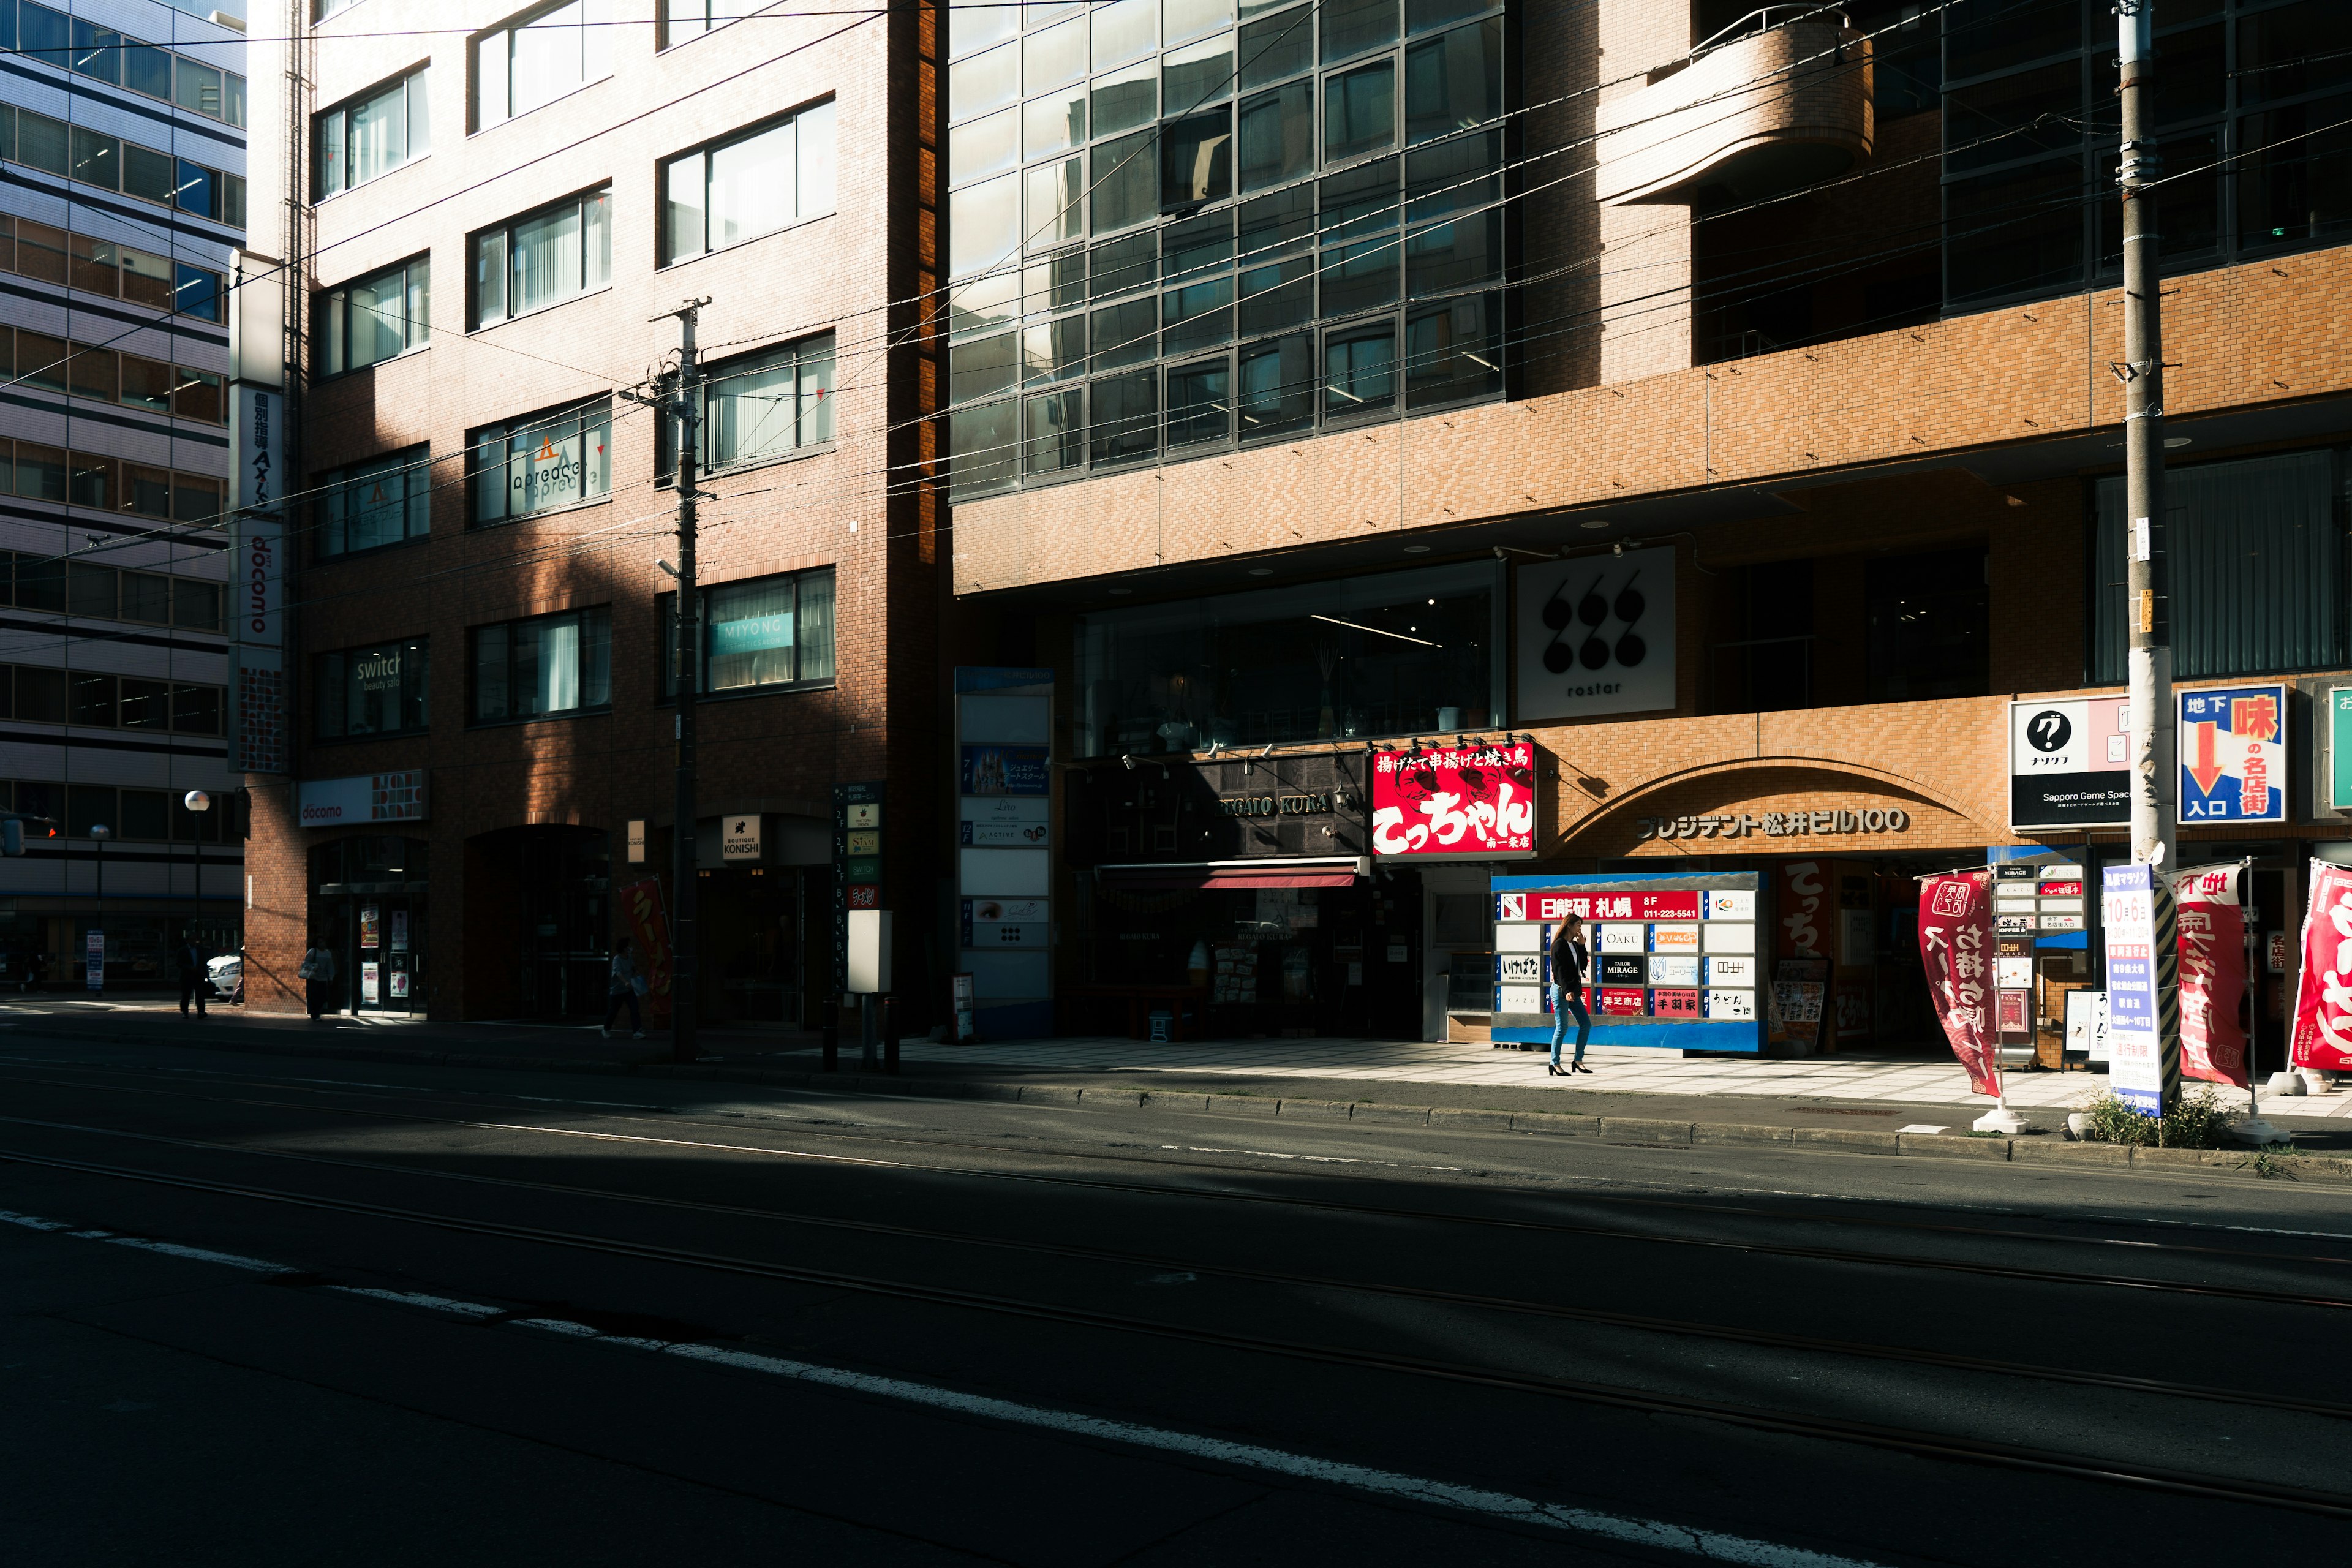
x=2206, y=771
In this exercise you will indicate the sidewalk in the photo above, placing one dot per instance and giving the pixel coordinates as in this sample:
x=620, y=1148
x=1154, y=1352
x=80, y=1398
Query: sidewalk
x=1865, y=1095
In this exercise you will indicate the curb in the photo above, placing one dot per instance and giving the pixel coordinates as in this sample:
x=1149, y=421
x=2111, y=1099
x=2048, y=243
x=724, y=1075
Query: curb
x=1614, y=1130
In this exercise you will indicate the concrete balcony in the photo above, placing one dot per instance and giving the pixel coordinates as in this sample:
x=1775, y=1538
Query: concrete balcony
x=1751, y=117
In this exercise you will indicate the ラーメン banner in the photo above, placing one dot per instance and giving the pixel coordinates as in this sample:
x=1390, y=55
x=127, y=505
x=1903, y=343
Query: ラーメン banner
x=1464, y=802
x=2323, y=995
x=641, y=906
x=2212, y=943
x=1954, y=947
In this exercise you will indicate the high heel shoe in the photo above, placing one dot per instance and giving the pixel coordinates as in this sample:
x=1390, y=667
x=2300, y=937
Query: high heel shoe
x=1551, y=1072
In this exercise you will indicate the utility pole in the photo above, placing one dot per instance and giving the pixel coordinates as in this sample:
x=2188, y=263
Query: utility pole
x=2147, y=608
x=687, y=411
x=2155, y=774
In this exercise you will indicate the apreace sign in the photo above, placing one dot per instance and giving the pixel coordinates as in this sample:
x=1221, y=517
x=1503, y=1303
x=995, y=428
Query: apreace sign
x=1464, y=802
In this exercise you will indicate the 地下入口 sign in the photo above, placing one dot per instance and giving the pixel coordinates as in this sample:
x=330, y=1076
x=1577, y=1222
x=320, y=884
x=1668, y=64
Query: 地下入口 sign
x=2232, y=748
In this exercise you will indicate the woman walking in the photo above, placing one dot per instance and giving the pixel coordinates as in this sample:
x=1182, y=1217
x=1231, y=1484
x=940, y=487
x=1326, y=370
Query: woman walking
x=318, y=975
x=1568, y=960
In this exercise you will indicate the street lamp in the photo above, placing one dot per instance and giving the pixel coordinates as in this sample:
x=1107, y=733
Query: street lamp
x=99, y=832
x=198, y=802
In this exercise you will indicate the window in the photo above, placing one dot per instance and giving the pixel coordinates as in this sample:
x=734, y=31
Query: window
x=377, y=318
x=760, y=407
x=366, y=506
x=103, y=55
x=44, y=583
x=39, y=695
x=544, y=463
x=375, y=134
x=538, y=58
x=684, y=20
x=1349, y=659
x=552, y=255
x=101, y=267
x=753, y=184
x=1930, y=625
x=770, y=632
x=84, y=478
x=546, y=666
x=1205, y=211
x=379, y=690
x=93, y=157
x=53, y=365
x=2255, y=553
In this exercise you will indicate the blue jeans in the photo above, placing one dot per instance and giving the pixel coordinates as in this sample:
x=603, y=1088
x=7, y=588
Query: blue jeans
x=1563, y=1002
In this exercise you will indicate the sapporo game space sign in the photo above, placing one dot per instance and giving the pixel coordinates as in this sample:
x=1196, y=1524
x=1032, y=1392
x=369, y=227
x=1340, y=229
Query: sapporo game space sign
x=1596, y=635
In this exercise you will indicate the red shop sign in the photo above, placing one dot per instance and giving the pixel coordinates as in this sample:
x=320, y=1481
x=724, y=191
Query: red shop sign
x=1467, y=803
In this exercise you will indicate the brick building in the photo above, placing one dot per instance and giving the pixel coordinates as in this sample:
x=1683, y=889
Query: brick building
x=123, y=133
x=1722, y=399
x=491, y=226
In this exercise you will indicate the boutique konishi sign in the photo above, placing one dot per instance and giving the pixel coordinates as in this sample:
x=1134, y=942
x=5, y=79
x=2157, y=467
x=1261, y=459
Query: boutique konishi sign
x=1468, y=803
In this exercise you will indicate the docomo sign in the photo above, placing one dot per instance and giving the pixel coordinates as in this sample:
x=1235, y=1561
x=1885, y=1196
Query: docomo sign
x=1470, y=802
x=259, y=534
x=365, y=797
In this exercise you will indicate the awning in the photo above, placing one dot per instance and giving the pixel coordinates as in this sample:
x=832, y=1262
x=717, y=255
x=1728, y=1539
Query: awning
x=1204, y=876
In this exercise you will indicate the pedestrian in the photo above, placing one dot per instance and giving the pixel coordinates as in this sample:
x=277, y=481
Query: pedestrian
x=627, y=984
x=318, y=975
x=1569, y=960
x=192, y=973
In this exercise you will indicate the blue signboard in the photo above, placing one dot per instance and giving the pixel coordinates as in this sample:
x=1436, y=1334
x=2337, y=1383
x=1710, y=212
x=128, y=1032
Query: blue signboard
x=1004, y=770
x=2232, y=746
x=2127, y=911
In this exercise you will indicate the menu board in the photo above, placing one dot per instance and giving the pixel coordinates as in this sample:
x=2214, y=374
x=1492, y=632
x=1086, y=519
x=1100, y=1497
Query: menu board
x=1673, y=959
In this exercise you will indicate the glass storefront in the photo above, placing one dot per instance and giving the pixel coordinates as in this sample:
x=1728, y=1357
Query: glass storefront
x=1400, y=653
x=368, y=906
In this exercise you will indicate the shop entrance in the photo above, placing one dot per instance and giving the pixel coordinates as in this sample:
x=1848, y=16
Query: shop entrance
x=764, y=930
x=368, y=905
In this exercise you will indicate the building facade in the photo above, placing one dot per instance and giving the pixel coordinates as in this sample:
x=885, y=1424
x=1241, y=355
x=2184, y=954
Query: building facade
x=124, y=198
x=1720, y=400
x=493, y=230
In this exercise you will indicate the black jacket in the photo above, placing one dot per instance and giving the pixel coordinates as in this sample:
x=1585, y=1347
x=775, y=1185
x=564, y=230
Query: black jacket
x=1568, y=959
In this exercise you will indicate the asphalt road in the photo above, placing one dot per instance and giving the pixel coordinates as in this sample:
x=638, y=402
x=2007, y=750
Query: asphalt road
x=272, y=1310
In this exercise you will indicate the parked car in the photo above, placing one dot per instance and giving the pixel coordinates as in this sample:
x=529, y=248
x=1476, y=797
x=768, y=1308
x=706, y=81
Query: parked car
x=226, y=975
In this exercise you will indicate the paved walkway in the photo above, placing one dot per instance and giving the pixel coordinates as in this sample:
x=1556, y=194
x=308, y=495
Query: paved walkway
x=1916, y=1079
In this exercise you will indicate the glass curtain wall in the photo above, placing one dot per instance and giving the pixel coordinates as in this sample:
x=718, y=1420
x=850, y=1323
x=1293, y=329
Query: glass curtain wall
x=2254, y=123
x=1175, y=224
x=1398, y=654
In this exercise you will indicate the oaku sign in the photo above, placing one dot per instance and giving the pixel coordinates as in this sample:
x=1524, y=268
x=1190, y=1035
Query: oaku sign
x=1772, y=824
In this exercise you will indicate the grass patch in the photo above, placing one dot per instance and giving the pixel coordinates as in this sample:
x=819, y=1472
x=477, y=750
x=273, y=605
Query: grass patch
x=1984, y=1134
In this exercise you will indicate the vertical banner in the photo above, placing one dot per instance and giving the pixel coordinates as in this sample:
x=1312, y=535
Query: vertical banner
x=1955, y=939
x=1004, y=837
x=2323, y=993
x=2212, y=924
x=2136, y=908
x=641, y=906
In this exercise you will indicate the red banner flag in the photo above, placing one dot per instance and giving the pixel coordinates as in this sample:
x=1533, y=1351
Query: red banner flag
x=641, y=905
x=1956, y=946
x=2323, y=993
x=2212, y=934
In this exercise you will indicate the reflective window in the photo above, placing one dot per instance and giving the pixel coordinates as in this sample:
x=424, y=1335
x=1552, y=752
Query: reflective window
x=541, y=668
x=752, y=184
x=366, y=506
x=373, y=134
x=759, y=406
x=544, y=463
x=768, y=632
x=377, y=318
x=540, y=56
x=1219, y=204
x=551, y=256
x=380, y=690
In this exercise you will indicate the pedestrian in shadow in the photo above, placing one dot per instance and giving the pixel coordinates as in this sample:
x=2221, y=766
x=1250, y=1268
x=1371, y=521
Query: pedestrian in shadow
x=627, y=985
x=1569, y=959
x=318, y=975
x=191, y=957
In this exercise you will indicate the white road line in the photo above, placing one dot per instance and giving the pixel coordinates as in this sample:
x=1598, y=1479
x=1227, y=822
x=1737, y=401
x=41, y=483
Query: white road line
x=173, y=1249
x=417, y=1299
x=1712, y=1545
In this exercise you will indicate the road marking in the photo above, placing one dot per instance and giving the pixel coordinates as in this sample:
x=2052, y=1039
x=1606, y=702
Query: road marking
x=1713, y=1545
x=417, y=1299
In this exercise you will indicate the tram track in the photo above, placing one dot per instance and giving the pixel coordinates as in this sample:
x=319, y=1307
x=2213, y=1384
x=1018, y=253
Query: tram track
x=1925, y=1443
x=1216, y=1195
x=1165, y=1265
